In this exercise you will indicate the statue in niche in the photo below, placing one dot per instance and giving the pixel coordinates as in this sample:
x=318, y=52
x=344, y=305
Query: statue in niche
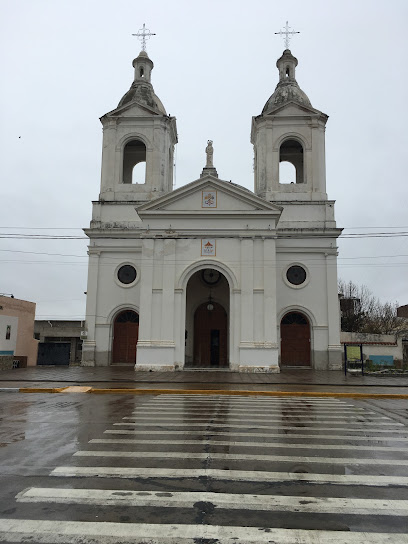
x=210, y=152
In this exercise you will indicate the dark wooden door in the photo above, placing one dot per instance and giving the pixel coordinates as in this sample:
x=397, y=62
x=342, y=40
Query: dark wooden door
x=295, y=340
x=125, y=335
x=210, y=336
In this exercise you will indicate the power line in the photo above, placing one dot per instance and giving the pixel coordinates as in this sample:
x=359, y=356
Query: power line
x=81, y=228
x=306, y=235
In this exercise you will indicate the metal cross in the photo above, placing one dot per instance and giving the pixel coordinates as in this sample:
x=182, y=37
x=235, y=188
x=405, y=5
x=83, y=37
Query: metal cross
x=288, y=34
x=144, y=34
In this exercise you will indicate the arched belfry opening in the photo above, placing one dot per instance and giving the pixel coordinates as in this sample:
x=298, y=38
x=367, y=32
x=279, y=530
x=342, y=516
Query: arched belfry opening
x=207, y=320
x=291, y=162
x=134, y=162
x=125, y=336
x=295, y=340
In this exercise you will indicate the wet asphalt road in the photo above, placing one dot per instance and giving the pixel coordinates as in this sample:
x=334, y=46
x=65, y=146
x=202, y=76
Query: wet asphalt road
x=202, y=469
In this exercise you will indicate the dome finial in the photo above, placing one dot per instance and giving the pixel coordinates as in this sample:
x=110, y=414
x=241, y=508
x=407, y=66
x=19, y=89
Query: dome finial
x=144, y=34
x=288, y=34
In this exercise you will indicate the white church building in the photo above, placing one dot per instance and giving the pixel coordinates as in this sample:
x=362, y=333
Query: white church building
x=212, y=275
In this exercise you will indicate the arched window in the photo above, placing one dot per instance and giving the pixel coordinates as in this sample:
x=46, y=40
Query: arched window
x=134, y=162
x=291, y=151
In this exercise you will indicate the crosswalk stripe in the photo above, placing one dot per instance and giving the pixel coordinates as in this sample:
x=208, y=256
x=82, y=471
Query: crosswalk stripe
x=230, y=475
x=68, y=532
x=231, y=501
x=272, y=445
x=226, y=401
x=243, y=399
x=239, y=457
x=371, y=438
x=301, y=409
x=254, y=425
x=277, y=417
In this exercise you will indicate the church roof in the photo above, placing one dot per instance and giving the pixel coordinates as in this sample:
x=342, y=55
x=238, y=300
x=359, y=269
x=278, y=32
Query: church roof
x=143, y=94
x=287, y=90
x=141, y=90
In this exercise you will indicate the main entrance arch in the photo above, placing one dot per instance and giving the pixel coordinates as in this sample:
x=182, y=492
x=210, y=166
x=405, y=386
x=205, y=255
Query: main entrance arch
x=125, y=335
x=295, y=340
x=207, y=320
x=210, y=336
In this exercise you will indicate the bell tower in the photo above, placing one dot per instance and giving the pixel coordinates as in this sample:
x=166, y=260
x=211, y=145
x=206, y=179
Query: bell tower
x=289, y=142
x=138, y=142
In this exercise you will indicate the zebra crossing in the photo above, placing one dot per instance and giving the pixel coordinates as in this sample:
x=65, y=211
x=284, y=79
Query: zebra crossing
x=228, y=469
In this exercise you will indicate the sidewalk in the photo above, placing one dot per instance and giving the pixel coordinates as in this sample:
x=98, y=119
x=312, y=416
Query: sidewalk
x=294, y=380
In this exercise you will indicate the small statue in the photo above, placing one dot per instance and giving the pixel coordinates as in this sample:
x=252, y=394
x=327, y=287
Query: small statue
x=210, y=152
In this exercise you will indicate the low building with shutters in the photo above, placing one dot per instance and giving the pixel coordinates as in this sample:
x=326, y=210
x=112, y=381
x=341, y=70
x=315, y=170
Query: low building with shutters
x=60, y=341
x=213, y=275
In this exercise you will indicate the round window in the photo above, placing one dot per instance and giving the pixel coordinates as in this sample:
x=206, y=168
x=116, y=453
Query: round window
x=296, y=275
x=127, y=274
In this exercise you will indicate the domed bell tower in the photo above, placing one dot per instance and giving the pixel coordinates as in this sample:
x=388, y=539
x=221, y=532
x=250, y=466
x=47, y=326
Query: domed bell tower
x=138, y=142
x=289, y=142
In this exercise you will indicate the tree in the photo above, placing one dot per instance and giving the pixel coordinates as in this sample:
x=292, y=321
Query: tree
x=361, y=311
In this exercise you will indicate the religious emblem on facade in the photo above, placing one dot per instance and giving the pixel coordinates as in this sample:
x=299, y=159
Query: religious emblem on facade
x=208, y=247
x=209, y=199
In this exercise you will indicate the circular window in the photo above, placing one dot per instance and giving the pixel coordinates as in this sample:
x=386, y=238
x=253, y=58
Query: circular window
x=127, y=274
x=296, y=275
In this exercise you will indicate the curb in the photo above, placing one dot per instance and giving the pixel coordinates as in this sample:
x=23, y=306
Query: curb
x=232, y=392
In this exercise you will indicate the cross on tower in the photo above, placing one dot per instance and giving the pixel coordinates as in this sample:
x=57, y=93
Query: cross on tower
x=288, y=34
x=144, y=34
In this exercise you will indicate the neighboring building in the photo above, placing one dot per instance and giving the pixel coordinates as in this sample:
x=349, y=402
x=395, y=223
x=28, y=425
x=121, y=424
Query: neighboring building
x=60, y=341
x=212, y=274
x=376, y=345
x=402, y=311
x=17, y=330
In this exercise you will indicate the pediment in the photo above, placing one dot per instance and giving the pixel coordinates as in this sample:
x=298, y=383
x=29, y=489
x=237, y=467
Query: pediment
x=134, y=109
x=293, y=108
x=210, y=196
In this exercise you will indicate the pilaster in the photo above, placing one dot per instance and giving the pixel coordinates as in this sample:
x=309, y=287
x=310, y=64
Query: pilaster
x=89, y=343
x=247, y=286
x=258, y=353
x=334, y=349
x=155, y=347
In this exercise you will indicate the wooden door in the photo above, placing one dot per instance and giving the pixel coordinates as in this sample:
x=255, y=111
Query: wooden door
x=210, y=336
x=295, y=340
x=125, y=335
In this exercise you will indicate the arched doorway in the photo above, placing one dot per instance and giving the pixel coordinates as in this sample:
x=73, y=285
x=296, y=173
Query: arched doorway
x=210, y=335
x=295, y=340
x=125, y=335
x=207, y=320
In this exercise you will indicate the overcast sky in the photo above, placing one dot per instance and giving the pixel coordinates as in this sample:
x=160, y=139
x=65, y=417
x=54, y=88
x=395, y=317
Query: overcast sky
x=66, y=63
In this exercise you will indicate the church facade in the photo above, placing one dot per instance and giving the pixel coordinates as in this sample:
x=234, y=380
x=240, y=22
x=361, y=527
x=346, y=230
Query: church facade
x=212, y=275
